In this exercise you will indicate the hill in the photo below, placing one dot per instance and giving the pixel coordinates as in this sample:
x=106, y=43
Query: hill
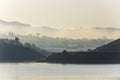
x=106, y=54
x=110, y=47
x=14, y=51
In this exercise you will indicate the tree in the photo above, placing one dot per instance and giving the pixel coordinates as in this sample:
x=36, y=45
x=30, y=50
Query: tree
x=16, y=40
x=10, y=33
x=38, y=34
x=89, y=50
x=27, y=45
x=64, y=52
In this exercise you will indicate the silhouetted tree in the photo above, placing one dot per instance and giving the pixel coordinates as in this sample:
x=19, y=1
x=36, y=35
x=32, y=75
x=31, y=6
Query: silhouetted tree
x=64, y=52
x=10, y=33
x=89, y=50
x=27, y=45
x=16, y=40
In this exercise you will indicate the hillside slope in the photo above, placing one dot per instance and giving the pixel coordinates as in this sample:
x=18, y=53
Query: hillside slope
x=11, y=52
x=110, y=47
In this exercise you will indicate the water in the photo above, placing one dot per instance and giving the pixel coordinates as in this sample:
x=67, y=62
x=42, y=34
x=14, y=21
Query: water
x=45, y=71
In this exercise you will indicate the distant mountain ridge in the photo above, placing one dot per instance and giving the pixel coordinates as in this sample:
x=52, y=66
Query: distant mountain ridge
x=13, y=23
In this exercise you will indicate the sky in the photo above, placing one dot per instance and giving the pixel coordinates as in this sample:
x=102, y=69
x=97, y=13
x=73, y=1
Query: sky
x=64, y=18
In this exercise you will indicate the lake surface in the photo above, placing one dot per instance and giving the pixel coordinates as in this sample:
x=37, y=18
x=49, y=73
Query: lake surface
x=45, y=71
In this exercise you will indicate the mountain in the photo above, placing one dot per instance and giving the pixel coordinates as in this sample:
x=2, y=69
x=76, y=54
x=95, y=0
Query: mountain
x=110, y=47
x=14, y=51
x=13, y=23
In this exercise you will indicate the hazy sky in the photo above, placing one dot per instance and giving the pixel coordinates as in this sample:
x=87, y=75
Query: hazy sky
x=64, y=14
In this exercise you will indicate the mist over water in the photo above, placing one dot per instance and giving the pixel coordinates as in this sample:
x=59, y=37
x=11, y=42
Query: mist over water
x=45, y=71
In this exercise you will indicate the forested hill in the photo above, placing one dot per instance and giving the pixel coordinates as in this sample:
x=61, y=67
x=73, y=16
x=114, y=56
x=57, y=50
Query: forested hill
x=106, y=54
x=15, y=51
x=110, y=47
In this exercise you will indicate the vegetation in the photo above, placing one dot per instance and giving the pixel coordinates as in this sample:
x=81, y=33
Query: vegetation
x=59, y=44
x=107, y=54
x=12, y=50
x=85, y=58
x=15, y=51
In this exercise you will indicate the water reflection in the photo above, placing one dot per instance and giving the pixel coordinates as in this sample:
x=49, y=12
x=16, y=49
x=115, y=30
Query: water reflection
x=44, y=71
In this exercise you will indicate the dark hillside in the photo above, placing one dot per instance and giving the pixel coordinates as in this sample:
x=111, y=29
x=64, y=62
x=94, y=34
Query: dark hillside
x=110, y=47
x=106, y=54
x=12, y=51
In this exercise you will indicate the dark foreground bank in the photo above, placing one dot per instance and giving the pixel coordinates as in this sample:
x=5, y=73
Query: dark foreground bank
x=84, y=58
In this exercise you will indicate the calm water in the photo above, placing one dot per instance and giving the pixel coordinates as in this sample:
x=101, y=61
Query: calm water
x=44, y=71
